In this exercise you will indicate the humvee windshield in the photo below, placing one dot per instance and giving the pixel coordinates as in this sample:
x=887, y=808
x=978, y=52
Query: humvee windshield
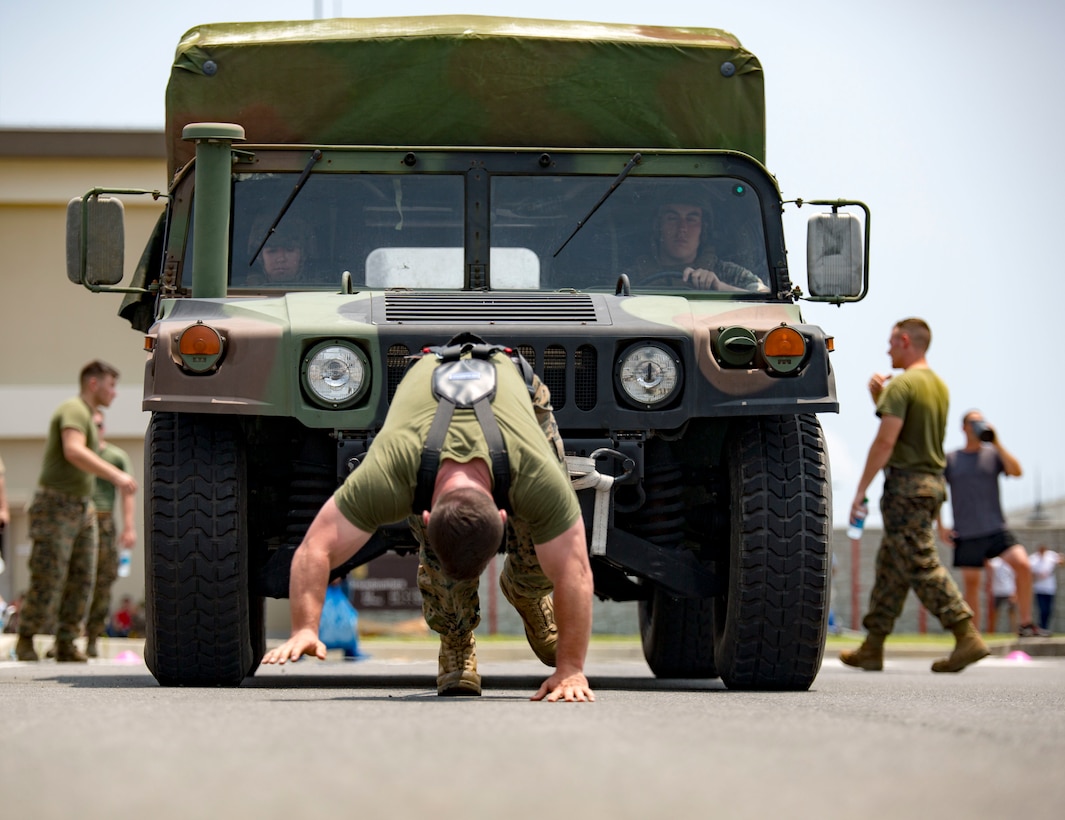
x=544, y=232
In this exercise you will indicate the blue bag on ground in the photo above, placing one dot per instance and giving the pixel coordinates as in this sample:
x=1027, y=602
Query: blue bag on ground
x=339, y=626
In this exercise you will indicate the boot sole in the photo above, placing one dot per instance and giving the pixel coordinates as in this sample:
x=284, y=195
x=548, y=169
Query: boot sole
x=953, y=666
x=456, y=684
x=865, y=667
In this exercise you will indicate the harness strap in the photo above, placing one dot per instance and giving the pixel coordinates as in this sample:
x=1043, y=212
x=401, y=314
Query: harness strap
x=498, y=452
x=456, y=396
x=430, y=463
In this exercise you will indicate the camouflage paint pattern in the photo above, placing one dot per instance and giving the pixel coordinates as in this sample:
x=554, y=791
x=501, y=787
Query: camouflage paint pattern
x=907, y=556
x=62, y=564
x=480, y=81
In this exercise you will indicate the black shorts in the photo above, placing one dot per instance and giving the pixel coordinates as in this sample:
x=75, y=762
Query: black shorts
x=972, y=552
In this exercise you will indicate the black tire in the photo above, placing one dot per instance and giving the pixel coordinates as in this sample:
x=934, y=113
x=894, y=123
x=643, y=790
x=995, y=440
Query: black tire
x=772, y=620
x=198, y=608
x=678, y=635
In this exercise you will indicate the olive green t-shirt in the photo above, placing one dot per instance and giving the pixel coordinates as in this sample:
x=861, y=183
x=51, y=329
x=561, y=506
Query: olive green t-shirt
x=57, y=473
x=103, y=495
x=921, y=399
x=381, y=490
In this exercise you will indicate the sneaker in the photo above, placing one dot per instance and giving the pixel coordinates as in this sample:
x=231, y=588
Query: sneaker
x=458, y=667
x=538, y=615
x=1032, y=631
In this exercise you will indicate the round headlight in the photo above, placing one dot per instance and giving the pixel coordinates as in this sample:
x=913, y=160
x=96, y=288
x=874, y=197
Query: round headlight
x=649, y=374
x=335, y=374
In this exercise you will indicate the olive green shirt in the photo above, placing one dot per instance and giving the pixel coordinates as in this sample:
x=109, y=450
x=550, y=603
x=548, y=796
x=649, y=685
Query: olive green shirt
x=921, y=399
x=57, y=473
x=103, y=495
x=381, y=490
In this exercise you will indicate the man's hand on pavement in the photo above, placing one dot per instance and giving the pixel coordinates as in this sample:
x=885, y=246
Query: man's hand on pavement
x=302, y=642
x=573, y=687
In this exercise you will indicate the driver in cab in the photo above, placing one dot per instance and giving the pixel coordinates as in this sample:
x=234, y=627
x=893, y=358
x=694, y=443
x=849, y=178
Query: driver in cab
x=681, y=254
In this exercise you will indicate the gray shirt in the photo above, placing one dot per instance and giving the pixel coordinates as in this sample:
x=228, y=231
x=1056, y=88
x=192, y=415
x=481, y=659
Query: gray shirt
x=974, y=497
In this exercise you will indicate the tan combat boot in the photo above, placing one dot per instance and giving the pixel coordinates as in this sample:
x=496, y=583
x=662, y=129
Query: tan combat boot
x=538, y=615
x=869, y=656
x=458, y=666
x=66, y=652
x=24, y=650
x=969, y=647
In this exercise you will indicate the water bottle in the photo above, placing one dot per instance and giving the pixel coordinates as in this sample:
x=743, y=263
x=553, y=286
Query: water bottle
x=857, y=522
x=125, y=558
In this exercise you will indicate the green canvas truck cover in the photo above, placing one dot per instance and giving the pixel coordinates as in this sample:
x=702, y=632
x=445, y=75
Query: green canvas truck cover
x=468, y=81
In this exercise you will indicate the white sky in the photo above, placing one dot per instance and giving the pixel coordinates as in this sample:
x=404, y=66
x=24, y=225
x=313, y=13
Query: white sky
x=945, y=117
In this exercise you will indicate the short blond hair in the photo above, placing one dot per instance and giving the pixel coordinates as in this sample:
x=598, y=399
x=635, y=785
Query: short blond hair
x=918, y=330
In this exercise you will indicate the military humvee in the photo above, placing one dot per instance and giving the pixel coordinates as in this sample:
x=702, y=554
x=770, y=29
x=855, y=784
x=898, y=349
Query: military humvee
x=346, y=192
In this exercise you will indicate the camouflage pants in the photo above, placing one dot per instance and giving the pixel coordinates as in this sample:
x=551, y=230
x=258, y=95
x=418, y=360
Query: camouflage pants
x=62, y=564
x=907, y=557
x=453, y=608
x=106, y=573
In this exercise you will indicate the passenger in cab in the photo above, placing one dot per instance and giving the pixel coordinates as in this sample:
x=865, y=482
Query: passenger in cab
x=283, y=258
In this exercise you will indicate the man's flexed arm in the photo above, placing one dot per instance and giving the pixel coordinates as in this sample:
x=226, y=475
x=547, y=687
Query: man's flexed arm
x=564, y=560
x=330, y=541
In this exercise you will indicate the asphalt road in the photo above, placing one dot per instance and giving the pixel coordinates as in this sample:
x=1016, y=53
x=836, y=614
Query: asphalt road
x=372, y=739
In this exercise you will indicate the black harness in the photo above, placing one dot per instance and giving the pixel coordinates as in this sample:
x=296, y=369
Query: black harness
x=466, y=379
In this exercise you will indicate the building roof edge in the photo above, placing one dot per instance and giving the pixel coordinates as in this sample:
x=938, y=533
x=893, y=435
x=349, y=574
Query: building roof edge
x=53, y=142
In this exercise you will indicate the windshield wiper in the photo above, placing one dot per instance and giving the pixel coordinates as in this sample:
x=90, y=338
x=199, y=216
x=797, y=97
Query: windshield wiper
x=632, y=163
x=315, y=156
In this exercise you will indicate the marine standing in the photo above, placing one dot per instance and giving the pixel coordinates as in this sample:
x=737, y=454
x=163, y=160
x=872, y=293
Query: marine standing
x=107, y=556
x=63, y=519
x=908, y=447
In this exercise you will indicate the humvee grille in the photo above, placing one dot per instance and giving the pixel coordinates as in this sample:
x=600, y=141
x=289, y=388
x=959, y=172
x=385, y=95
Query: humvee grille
x=490, y=308
x=557, y=361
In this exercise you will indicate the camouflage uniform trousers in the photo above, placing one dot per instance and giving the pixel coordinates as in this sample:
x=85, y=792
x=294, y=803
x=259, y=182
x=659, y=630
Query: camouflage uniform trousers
x=907, y=557
x=106, y=575
x=62, y=564
x=452, y=608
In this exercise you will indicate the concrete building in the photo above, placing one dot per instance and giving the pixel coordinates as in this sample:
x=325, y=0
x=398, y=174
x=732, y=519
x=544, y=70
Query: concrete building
x=49, y=327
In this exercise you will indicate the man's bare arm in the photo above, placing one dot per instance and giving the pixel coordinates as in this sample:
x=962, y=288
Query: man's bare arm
x=564, y=560
x=76, y=451
x=879, y=453
x=1010, y=465
x=129, y=531
x=329, y=542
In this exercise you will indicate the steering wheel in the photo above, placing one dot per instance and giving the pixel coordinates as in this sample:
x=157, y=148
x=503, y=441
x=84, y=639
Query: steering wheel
x=664, y=274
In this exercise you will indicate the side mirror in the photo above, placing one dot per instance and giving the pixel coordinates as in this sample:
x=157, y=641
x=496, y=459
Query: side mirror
x=96, y=240
x=836, y=267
